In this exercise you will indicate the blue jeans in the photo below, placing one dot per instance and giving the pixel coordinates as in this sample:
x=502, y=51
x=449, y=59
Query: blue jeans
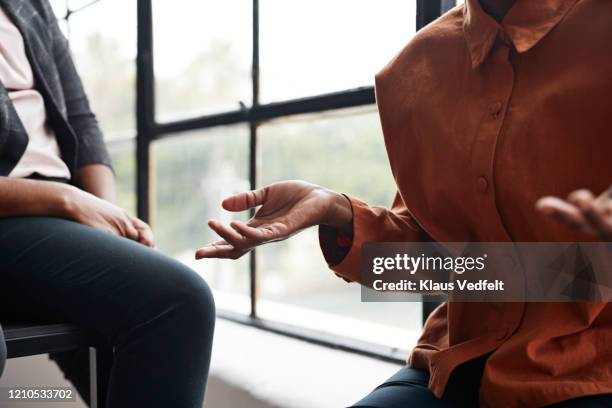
x=408, y=388
x=157, y=314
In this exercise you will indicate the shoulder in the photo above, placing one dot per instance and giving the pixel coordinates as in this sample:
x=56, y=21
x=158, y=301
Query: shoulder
x=427, y=57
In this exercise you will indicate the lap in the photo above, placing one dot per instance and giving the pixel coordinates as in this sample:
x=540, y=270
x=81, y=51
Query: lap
x=406, y=388
x=53, y=269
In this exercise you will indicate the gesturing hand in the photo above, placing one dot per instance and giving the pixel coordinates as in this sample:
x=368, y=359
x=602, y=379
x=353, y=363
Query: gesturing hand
x=286, y=208
x=582, y=211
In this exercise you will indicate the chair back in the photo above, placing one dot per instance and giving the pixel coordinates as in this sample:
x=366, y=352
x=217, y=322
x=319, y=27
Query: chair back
x=2, y=351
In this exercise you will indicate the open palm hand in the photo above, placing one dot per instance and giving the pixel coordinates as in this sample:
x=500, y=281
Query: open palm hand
x=286, y=208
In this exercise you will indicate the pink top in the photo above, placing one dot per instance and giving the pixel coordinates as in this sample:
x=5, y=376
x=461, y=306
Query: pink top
x=42, y=154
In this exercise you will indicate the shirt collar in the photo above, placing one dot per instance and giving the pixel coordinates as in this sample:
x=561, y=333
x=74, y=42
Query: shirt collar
x=527, y=22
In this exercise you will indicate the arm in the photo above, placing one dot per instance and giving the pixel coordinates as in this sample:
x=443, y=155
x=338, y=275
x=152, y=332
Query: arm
x=369, y=224
x=98, y=180
x=93, y=204
x=91, y=147
x=21, y=197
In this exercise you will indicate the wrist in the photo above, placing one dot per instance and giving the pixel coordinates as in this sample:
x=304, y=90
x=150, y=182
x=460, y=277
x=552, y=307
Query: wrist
x=67, y=202
x=339, y=213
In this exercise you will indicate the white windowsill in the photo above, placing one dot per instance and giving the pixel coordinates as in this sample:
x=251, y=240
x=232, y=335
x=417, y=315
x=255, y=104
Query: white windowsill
x=258, y=369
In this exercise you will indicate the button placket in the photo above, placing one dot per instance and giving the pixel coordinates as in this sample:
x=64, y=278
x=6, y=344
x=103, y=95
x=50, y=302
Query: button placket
x=499, y=74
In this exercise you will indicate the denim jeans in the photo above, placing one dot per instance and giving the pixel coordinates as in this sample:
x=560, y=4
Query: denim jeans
x=408, y=388
x=157, y=314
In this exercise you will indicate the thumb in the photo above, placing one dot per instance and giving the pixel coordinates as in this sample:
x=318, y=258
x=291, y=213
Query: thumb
x=246, y=200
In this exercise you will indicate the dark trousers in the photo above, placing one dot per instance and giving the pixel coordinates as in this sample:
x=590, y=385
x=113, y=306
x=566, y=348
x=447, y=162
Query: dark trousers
x=157, y=314
x=408, y=388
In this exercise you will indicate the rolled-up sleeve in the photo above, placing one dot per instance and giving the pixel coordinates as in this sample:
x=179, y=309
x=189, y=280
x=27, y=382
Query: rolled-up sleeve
x=91, y=146
x=370, y=224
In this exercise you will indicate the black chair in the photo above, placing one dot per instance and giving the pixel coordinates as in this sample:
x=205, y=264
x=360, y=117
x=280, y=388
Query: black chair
x=2, y=351
x=22, y=340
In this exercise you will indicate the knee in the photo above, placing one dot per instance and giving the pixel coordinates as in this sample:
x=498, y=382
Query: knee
x=180, y=297
x=159, y=297
x=191, y=294
x=198, y=303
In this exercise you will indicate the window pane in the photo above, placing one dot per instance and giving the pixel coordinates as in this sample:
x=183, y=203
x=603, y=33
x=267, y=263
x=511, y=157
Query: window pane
x=105, y=60
x=124, y=163
x=193, y=173
x=202, y=56
x=79, y=4
x=319, y=46
x=345, y=153
x=59, y=8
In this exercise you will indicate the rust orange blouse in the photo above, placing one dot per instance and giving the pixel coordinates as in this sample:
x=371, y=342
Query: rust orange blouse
x=480, y=120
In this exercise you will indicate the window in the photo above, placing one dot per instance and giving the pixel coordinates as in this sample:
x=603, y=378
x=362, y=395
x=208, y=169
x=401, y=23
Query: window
x=194, y=171
x=233, y=95
x=343, y=150
x=202, y=52
x=318, y=46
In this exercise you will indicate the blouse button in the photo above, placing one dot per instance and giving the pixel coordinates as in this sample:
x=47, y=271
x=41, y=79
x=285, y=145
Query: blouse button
x=483, y=184
x=495, y=108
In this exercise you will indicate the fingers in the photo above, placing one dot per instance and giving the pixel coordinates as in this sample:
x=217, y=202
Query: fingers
x=213, y=250
x=598, y=212
x=582, y=211
x=232, y=246
x=564, y=212
x=248, y=231
x=237, y=240
x=580, y=198
x=228, y=234
x=129, y=230
x=219, y=249
x=244, y=201
x=263, y=233
x=145, y=235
